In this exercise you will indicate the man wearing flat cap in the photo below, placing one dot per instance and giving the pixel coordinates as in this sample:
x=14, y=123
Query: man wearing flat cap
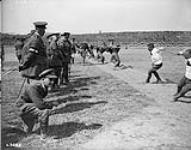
x=32, y=107
x=35, y=57
x=66, y=47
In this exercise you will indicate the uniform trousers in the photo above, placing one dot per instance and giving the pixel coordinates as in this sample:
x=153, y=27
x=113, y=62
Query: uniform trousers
x=31, y=114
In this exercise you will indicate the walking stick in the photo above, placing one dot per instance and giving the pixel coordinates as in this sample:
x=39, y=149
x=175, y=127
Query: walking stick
x=21, y=87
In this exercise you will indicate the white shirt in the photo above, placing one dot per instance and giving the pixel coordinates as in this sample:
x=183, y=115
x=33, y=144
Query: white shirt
x=156, y=56
x=188, y=68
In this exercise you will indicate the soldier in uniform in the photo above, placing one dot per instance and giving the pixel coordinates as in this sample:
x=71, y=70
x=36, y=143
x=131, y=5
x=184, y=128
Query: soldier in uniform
x=19, y=44
x=55, y=57
x=34, y=57
x=31, y=105
x=65, y=46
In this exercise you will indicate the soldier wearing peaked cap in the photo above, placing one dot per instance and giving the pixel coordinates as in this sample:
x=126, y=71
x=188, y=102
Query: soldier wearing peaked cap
x=34, y=58
x=55, y=58
x=52, y=34
x=32, y=107
x=66, y=48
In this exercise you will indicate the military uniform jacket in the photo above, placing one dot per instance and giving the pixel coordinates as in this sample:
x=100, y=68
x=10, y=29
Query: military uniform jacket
x=33, y=95
x=66, y=47
x=55, y=55
x=34, y=57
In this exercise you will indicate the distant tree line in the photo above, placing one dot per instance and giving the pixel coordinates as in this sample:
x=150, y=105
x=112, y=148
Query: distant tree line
x=162, y=37
x=9, y=39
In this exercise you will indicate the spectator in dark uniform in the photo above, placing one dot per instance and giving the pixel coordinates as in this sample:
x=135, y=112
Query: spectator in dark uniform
x=19, y=44
x=34, y=57
x=65, y=46
x=32, y=107
x=55, y=58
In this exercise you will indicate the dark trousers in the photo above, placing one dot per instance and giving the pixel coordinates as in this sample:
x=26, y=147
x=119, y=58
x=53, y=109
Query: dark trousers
x=153, y=70
x=31, y=114
x=184, y=86
x=57, y=71
x=65, y=72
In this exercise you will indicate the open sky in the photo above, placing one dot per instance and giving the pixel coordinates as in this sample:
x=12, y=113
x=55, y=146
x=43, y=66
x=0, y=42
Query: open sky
x=92, y=16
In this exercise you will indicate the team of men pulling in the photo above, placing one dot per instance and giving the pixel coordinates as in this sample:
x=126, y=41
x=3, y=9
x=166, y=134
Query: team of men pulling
x=45, y=65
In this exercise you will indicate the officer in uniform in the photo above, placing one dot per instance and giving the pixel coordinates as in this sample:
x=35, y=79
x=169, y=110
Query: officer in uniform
x=32, y=107
x=66, y=47
x=19, y=44
x=34, y=57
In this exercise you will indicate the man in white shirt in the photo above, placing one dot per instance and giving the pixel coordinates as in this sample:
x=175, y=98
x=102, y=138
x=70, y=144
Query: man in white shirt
x=156, y=59
x=184, y=84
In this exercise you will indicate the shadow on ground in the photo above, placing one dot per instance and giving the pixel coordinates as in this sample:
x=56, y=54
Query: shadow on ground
x=69, y=128
x=70, y=99
x=75, y=107
x=75, y=84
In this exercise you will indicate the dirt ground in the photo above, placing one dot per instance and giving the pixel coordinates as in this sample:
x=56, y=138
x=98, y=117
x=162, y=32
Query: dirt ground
x=103, y=109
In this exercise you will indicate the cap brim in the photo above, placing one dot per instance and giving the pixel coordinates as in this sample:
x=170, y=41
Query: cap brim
x=51, y=76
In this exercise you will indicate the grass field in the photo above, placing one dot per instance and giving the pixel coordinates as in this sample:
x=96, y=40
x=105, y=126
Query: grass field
x=96, y=100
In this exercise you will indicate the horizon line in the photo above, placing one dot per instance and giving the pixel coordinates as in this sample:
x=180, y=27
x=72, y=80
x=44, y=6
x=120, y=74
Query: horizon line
x=12, y=33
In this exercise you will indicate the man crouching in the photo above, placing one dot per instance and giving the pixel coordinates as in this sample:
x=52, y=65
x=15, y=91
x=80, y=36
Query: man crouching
x=32, y=106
